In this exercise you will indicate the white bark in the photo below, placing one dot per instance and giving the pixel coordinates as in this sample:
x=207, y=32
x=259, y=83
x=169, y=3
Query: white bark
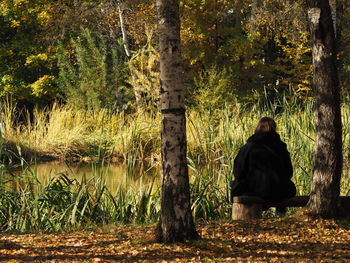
x=123, y=29
x=333, y=5
x=176, y=222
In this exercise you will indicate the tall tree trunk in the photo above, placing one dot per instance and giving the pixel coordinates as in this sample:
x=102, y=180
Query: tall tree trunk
x=137, y=93
x=334, y=12
x=176, y=222
x=253, y=12
x=123, y=29
x=328, y=149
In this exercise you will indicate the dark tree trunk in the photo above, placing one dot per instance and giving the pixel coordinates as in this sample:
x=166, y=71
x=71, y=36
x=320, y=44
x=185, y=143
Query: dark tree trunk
x=328, y=148
x=176, y=222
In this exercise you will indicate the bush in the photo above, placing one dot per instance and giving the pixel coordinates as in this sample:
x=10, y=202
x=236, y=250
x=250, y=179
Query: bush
x=93, y=74
x=214, y=89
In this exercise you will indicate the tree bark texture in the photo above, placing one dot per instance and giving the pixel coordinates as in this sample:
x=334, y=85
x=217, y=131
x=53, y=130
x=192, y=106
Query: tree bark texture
x=176, y=222
x=340, y=20
x=337, y=11
x=242, y=211
x=333, y=6
x=328, y=147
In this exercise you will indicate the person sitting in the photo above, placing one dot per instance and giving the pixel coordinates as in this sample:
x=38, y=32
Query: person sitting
x=263, y=166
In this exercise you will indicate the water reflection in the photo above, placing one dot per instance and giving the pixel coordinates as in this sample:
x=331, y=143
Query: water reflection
x=113, y=175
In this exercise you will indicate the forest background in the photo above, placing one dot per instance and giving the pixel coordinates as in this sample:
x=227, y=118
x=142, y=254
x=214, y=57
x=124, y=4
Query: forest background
x=72, y=52
x=74, y=87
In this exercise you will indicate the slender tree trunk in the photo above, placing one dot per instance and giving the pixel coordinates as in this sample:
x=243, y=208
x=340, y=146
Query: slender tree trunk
x=334, y=13
x=137, y=92
x=176, y=222
x=254, y=12
x=328, y=148
x=123, y=29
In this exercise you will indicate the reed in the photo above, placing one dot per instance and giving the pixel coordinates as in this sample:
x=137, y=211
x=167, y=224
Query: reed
x=67, y=133
x=62, y=203
x=214, y=139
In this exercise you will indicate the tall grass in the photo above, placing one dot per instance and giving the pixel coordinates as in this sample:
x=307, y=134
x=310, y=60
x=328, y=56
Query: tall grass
x=66, y=133
x=26, y=204
x=214, y=139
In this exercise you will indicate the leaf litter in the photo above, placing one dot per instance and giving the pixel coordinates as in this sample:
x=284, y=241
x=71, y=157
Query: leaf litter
x=296, y=238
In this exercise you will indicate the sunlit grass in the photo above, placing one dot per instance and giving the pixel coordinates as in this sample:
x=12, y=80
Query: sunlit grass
x=214, y=139
x=63, y=203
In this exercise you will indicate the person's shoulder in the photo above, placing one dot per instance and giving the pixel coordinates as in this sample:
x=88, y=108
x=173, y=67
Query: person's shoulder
x=282, y=146
x=278, y=138
x=243, y=147
x=275, y=136
x=246, y=147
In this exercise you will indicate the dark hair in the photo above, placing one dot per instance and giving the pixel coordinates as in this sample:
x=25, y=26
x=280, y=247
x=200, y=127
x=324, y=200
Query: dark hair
x=265, y=124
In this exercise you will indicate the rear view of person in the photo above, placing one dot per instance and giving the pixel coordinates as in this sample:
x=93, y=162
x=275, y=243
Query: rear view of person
x=263, y=166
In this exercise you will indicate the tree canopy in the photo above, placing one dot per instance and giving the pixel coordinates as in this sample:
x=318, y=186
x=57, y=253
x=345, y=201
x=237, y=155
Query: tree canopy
x=231, y=49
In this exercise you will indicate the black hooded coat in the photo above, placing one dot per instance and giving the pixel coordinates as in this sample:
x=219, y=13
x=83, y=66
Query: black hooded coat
x=263, y=168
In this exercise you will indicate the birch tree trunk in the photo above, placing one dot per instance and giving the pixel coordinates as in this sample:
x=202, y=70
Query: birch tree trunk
x=254, y=11
x=334, y=14
x=176, y=222
x=123, y=29
x=328, y=147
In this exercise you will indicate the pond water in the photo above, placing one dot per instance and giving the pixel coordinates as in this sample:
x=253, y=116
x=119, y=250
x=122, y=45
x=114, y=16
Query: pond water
x=113, y=175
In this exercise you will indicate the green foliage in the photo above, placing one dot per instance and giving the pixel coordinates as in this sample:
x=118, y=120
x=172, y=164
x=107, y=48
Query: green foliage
x=213, y=143
x=44, y=86
x=26, y=58
x=63, y=203
x=287, y=51
x=10, y=86
x=263, y=44
x=93, y=74
x=214, y=89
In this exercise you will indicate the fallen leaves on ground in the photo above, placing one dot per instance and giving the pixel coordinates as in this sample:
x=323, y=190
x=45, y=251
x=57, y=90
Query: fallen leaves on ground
x=290, y=239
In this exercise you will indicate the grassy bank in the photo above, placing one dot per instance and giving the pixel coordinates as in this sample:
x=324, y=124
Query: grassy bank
x=63, y=203
x=214, y=139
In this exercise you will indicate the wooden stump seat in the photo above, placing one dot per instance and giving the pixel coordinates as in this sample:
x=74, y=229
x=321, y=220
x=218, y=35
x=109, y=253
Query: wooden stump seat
x=250, y=207
x=247, y=207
